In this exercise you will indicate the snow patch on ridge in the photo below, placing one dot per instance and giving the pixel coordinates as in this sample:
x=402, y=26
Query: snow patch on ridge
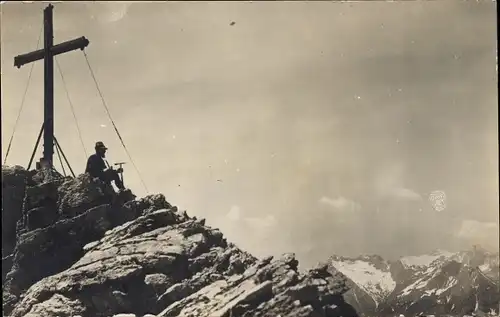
x=375, y=282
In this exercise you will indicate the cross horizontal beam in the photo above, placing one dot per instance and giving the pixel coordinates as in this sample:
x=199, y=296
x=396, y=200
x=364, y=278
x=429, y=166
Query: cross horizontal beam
x=79, y=43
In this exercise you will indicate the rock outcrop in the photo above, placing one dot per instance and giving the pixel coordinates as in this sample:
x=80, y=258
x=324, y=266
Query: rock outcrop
x=79, y=249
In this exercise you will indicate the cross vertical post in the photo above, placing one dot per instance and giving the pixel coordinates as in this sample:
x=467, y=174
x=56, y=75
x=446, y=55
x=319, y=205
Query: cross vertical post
x=47, y=54
x=48, y=113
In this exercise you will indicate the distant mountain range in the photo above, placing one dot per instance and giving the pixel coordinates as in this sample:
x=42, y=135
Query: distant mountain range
x=441, y=283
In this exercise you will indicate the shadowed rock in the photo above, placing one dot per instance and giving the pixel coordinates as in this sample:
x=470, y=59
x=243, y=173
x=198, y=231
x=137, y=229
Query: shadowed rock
x=13, y=191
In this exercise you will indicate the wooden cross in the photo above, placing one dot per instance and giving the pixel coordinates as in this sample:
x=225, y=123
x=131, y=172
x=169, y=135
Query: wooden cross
x=47, y=54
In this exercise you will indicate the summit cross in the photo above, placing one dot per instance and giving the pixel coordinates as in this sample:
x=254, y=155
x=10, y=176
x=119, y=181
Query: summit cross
x=47, y=54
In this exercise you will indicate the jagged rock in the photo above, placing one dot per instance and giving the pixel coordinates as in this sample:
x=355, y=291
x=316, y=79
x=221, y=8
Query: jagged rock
x=13, y=190
x=40, y=217
x=120, y=261
x=45, y=175
x=57, y=305
x=159, y=282
x=46, y=251
x=6, y=266
x=265, y=289
x=145, y=258
x=80, y=194
x=42, y=195
x=34, y=257
x=49, y=197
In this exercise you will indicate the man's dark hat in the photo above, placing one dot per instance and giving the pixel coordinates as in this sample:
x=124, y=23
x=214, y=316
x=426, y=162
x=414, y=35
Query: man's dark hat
x=100, y=145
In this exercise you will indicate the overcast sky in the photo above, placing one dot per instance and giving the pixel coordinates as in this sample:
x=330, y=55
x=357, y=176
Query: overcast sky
x=313, y=127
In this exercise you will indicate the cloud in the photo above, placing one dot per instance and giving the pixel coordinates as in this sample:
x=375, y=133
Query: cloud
x=114, y=11
x=259, y=223
x=405, y=193
x=340, y=203
x=389, y=182
x=234, y=213
x=482, y=233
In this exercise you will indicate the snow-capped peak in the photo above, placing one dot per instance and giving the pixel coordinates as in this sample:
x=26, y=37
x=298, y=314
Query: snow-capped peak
x=439, y=282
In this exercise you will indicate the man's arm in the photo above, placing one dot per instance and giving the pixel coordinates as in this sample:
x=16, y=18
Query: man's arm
x=90, y=165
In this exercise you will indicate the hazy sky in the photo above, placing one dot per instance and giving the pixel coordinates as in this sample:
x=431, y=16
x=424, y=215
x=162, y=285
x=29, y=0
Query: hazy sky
x=314, y=127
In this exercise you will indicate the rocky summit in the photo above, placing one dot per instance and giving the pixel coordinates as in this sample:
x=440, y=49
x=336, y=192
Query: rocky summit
x=74, y=247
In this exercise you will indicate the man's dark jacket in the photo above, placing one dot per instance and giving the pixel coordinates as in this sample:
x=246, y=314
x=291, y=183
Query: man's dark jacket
x=95, y=166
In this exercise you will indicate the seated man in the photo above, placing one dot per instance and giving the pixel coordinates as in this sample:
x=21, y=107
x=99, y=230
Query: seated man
x=97, y=167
